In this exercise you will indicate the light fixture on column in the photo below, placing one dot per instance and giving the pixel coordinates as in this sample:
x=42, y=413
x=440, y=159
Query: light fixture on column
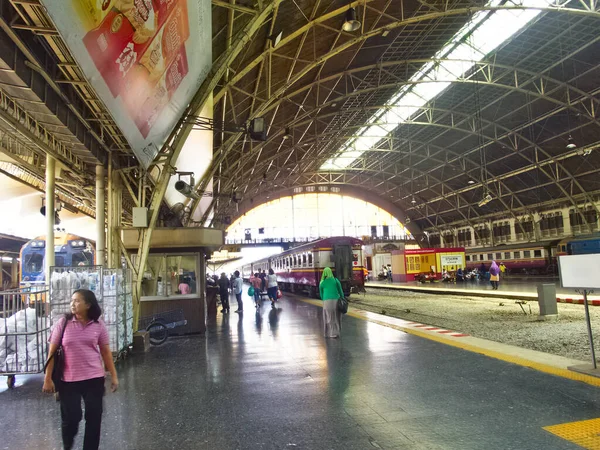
x=351, y=23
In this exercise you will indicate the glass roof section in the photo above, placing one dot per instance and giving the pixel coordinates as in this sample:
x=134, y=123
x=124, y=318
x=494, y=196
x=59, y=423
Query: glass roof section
x=484, y=33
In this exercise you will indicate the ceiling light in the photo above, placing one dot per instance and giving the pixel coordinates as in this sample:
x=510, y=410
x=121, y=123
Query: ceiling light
x=485, y=200
x=413, y=201
x=471, y=182
x=571, y=144
x=287, y=134
x=385, y=33
x=276, y=38
x=350, y=21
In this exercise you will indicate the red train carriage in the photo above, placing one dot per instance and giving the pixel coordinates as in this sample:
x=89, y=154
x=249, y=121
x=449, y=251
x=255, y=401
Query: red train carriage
x=300, y=269
x=532, y=258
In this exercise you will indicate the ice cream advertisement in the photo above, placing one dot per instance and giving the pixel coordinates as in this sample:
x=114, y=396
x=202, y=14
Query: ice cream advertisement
x=145, y=58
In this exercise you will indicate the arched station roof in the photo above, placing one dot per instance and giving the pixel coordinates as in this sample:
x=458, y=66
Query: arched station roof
x=501, y=121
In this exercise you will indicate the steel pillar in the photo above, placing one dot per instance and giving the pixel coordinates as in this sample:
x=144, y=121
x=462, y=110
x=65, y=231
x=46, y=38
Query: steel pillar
x=100, y=217
x=50, y=207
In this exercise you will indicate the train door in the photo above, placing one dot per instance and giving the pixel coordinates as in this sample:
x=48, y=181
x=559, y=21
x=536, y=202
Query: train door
x=342, y=259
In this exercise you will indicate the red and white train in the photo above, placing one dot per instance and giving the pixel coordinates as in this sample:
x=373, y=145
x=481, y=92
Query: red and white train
x=300, y=269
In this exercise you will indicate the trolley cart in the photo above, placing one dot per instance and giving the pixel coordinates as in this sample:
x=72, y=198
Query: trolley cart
x=24, y=332
x=159, y=324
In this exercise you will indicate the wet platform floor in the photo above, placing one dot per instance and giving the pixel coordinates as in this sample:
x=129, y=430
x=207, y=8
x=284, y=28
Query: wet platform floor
x=269, y=380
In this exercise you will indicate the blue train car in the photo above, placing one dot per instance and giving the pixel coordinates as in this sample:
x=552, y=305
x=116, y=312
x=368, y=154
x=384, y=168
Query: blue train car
x=70, y=251
x=583, y=247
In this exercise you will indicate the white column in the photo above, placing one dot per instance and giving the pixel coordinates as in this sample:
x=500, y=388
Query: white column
x=100, y=217
x=50, y=188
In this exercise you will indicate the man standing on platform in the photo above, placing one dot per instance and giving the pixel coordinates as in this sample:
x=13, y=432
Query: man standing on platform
x=237, y=286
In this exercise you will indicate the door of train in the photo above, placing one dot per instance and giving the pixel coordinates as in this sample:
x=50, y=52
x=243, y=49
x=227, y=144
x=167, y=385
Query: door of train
x=342, y=255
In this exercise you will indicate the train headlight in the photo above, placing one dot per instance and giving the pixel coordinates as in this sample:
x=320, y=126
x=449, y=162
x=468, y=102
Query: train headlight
x=77, y=243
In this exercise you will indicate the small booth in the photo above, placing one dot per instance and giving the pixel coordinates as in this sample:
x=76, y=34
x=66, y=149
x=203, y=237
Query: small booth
x=426, y=263
x=175, y=276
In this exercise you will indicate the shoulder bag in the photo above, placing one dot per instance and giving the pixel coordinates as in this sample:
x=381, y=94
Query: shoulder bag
x=59, y=360
x=342, y=305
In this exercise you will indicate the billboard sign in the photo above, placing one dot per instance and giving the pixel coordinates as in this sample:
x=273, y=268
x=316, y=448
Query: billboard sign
x=145, y=58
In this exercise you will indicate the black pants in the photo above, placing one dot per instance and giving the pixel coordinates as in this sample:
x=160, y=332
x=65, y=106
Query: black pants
x=494, y=284
x=240, y=303
x=224, y=300
x=92, y=392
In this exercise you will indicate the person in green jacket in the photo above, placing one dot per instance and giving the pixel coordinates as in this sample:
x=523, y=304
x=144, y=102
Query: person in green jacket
x=330, y=289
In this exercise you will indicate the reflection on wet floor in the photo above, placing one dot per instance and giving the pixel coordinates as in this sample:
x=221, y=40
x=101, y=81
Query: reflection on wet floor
x=268, y=379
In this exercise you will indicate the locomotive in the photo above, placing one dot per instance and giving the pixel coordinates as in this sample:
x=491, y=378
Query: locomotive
x=300, y=269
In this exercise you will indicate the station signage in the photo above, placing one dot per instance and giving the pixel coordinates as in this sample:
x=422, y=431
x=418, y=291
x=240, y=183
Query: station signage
x=145, y=58
x=451, y=260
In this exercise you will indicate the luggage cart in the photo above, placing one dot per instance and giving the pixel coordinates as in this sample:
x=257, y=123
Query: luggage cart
x=24, y=332
x=159, y=324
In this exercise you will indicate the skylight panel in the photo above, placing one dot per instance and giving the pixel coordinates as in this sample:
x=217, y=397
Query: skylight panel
x=484, y=33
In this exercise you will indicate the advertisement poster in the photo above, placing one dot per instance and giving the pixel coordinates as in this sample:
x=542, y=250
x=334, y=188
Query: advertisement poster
x=145, y=58
x=452, y=260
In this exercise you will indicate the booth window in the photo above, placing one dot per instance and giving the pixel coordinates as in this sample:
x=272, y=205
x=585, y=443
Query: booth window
x=169, y=275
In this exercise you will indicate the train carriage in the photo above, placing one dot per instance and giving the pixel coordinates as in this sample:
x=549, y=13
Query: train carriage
x=300, y=269
x=69, y=250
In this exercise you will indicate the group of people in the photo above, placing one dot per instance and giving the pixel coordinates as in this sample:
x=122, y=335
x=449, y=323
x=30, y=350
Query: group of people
x=495, y=271
x=260, y=282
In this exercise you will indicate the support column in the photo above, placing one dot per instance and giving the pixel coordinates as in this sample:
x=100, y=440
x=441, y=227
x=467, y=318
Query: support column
x=50, y=207
x=14, y=273
x=100, y=217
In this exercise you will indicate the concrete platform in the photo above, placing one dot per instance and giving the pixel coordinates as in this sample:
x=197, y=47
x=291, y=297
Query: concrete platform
x=517, y=290
x=269, y=380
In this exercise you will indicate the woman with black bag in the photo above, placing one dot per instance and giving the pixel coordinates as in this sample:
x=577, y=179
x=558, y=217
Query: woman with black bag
x=331, y=292
x=79, y=345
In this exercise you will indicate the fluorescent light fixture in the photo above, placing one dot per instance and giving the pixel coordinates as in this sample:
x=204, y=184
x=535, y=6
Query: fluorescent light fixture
x=487, y=30
x=485, y=200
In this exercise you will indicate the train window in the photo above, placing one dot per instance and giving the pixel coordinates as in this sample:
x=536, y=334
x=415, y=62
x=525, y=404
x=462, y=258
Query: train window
x=295, y=261
x=303, y=260
x=537, y=253
x=517, y=255
x=480, y=257
x=34, y=262
x=82, y=259
x=526, y=253
x=468, y=257
x=490, y=256
x=59, y=261
x=310, y=259
x=563, y=248
x=506, y=255
x=498, y=255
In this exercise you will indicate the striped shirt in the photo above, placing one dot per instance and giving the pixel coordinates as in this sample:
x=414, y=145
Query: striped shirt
x=83, y=360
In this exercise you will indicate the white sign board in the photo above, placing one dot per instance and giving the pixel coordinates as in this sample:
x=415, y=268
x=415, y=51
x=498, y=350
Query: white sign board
x=451, y=260
x=580, y=271
x=145, y=58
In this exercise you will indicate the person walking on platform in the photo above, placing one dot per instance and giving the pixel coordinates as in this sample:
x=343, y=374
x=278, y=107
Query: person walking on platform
x=389, y=273
x=223, y=284
x=502, y=269
x=494, y=275
x=272, y=287
x=85, y=346
x=330, y=289
x=237, y=286
x=256, y=284
x=263, y=278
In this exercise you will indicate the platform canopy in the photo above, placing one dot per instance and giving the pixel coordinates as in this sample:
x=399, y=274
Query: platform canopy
x=455, y=112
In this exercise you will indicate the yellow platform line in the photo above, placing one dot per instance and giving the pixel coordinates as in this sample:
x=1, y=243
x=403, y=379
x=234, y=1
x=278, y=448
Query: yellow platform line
x=585, y=433
x=459, y=343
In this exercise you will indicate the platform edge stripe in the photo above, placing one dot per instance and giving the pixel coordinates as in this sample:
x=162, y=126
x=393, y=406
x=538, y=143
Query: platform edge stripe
x=458, y=343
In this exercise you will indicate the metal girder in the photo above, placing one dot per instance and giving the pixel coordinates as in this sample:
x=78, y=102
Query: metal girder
x=233, y=7
x=18, y=57
x=461, y=11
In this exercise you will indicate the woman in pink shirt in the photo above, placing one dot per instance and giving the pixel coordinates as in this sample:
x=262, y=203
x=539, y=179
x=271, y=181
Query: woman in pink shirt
x=85, y=346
